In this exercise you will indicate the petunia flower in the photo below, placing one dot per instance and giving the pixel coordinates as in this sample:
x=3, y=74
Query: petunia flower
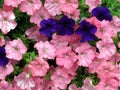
x=48, y=27
x=87, y=31
x=38, y=67
x=102, y=13
x=4, y=71
x=24, y=81
x=68, y=6
x=39, y=15
x=45, y=50
x=15, y=49
x=65, y=26
x=30, y=6
x=53, y=7
x=7, y=21
x=3, y=59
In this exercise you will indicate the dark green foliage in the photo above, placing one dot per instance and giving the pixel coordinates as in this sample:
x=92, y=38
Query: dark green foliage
x=83, y=9
x=82, y=74
x=80, y=77
x=113, y=5
x=1, y=3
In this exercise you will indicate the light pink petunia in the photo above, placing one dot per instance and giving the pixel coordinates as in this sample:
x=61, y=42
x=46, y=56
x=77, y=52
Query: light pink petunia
x=13, y=3
x=4, y=85
x=24, y=82
x=68, y=6
x=75, y=15
x=53, y=7
x=65, y=57
x=45, y=50
x=88, y=85
x=92, y=68
x=39, y=15
x=58, y=41
x=73, y=87
x=92, y=4
x=106, y=70
x=60, y=78
x=4, y=71
x=7, y=21
x=116, y=21
x=86, y=54
x=106, y=31
x=105, y=86
x=106, y=48
x=2, y=41
x=15, y=49
x=33, y=33
x=30, y=6
x=38, y=67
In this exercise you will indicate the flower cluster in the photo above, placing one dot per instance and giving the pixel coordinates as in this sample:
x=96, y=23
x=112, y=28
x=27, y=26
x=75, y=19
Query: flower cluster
x=48, y=54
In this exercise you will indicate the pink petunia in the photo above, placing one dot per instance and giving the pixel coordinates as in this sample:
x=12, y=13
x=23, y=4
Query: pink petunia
x=15, y=49
x=106, y=48
x=93, y=20
x=13, y=3
x=60, y=78
x=33, y=33
x=86, y=54
x=88, y=85
x=24, y=82
x=58, y=41
x=4, y=71
x=39, y=15
x=38, y=67
x=106, y=70
x=53, y=7
x=65, y=57
x=45, y=50
x=73, y=87
x=68, y=6
x=106, y=31
x=2, y=41
x=92, y=4
x=92, y=68
x=30, y=6
x=4, y=85
x=75, y=15
x=7, y=21
x=105, y=86
x=116, y=21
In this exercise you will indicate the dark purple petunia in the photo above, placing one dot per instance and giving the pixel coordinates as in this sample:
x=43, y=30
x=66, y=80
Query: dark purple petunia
x=65, y=26
x=3, y=60
x=48, y=27
x=87, y=31
x=102, y=13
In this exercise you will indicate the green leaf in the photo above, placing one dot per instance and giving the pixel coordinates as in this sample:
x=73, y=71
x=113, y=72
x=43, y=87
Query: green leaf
x=1, y=3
